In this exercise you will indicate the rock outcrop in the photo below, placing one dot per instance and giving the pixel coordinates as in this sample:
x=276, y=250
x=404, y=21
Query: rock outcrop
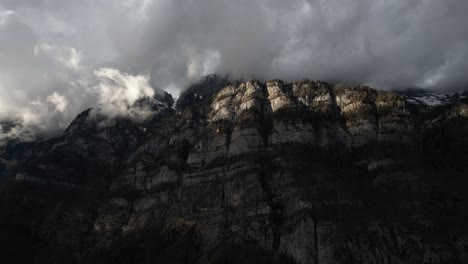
x=259, y=172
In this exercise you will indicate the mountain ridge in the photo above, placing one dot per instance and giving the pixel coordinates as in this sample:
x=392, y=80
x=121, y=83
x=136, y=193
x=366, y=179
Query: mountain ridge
x=300, y=172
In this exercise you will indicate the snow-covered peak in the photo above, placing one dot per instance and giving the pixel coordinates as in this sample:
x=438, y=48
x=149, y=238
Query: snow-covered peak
x=428, y=98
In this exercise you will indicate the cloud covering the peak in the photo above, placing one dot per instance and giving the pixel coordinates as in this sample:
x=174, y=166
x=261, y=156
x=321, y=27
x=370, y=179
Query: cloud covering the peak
x=62, y=56
x=117, y=93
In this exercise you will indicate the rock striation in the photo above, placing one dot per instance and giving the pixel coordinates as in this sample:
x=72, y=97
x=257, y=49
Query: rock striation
x=254, y=172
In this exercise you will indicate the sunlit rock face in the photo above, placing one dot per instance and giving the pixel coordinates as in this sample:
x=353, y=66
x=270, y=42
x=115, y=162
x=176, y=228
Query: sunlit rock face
x=269, y=172
x=315, y=112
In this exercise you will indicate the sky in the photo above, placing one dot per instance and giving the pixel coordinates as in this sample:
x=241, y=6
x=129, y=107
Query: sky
x=59, y=57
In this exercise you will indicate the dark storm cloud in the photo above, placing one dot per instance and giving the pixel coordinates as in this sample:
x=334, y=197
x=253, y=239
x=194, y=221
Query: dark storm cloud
x=51, y=50
x=389, y=44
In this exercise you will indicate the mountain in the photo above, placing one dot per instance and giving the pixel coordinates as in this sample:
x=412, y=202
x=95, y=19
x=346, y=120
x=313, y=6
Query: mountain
x=246, y=172
x=430, y=99
x=201, y=90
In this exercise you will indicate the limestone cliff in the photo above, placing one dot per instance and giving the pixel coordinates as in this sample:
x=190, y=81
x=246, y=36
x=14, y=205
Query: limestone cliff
x=254, y=172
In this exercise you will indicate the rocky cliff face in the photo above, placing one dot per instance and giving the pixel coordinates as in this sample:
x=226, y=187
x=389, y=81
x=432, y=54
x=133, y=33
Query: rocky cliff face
x=255, y=172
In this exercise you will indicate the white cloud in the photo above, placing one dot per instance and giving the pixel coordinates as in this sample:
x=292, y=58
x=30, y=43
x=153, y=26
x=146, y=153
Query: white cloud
x=118, y=91
x=59, y=101
x=16, y=131
x=211, y=62
x=69, y=57
x=201, y=63
x=34, y=113
x=4, y=16
x=27, y=122
x=194, y=63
